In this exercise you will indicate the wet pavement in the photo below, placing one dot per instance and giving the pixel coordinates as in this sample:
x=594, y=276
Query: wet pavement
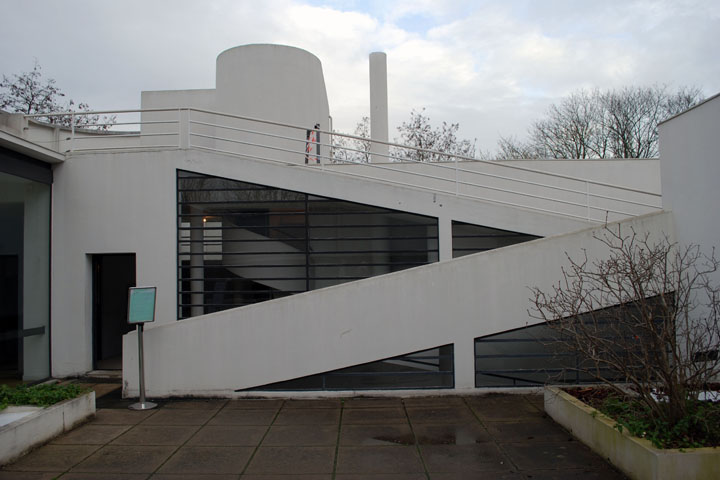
x=496, y=436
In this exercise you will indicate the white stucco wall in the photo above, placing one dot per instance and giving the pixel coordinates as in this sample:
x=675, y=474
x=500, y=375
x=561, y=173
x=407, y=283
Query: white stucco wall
x=125, y=202
x=375, y=318
x=690, y=159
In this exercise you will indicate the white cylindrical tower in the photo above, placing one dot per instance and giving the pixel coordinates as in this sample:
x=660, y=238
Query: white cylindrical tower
x=277, y=83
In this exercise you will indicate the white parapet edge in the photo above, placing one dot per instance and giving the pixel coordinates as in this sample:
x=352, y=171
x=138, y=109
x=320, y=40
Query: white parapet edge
x=636, y=457
x=19, y=437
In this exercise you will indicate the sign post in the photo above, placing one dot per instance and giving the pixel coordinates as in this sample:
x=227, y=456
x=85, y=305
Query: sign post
x=141, y=310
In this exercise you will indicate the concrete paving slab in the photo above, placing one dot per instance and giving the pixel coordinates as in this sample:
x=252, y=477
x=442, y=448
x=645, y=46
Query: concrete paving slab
x=567, y=474
x=308, y=416
x=172, y=476
x=52, y=458
x=376, y=435
x=313, y=403
x=437, y=414
x=197, y=460
x=449, y=401
x=243, y=417
x=111, y=416
x=312, y=476
x=91, y=434
x=288, y=435
x=547, y=456
x=179, y=417
x=104, y=476
x=255, y=404
x=374, y=460
x=464, y=459
x=229, y=435
x=292, y=460
x=375, y=416
x=125, y=459
x=29, y=475
x=533, y=429
x=196, y=404
x=451, y=434
x=503, y=407
x=157, y=435
x=388, y=476
x=372, y=402
x=487, y=475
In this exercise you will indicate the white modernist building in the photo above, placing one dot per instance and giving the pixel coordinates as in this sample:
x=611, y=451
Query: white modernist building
x=289, y=258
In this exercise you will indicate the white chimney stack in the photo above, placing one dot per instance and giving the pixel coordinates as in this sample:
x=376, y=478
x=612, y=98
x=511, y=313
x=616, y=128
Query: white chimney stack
x=378, y=106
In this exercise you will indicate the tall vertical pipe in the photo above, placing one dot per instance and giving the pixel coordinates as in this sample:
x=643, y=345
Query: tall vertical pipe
x=378, y=107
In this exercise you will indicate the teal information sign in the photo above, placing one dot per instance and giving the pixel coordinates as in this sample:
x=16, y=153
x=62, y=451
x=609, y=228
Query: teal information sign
x=141, y=305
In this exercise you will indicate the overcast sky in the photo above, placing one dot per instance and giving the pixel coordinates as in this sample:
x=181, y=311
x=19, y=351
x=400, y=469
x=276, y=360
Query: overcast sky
x=492, y=66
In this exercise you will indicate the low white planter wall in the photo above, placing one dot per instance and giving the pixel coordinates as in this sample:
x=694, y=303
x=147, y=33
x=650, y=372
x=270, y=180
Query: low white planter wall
x=636, y=457
x=17, y=437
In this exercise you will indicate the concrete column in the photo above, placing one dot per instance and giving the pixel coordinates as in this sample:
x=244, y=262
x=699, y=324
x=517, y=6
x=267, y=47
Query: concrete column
x=465, y=364
x=445, y=238
x=378, y=106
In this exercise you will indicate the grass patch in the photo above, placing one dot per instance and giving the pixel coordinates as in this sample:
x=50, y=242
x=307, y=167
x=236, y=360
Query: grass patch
x=39, y=395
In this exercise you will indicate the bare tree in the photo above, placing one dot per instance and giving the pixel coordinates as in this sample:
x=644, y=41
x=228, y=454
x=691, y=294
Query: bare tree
x=510, y=148
x=646, y=315
x=30, y=94
x=439, y=144
x=356, y=150
x=603, y=124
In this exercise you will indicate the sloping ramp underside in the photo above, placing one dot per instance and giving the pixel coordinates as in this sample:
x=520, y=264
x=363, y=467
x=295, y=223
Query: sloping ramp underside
x=449, y=302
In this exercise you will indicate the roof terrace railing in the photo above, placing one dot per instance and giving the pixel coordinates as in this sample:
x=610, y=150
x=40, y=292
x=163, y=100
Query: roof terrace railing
x=497, y=182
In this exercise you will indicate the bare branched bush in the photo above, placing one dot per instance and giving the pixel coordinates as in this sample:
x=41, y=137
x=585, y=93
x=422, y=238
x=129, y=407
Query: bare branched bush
x=646, y=315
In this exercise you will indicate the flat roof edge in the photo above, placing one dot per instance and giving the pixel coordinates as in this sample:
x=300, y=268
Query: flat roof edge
x=33, y=150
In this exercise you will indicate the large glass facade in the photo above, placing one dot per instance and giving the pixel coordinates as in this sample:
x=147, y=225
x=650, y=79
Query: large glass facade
x=24, y=269
x=241, y=243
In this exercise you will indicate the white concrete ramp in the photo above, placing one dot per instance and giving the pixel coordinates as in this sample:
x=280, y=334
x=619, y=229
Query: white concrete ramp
x=453, y=301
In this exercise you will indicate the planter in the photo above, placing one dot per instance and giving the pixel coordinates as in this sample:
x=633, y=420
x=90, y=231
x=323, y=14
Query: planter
x=35, y=426
x=636, y=457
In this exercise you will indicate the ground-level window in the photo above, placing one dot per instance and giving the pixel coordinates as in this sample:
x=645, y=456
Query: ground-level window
x=432, y=368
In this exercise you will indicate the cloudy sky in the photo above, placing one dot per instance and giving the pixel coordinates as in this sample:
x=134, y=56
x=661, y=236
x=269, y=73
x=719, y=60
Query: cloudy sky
x=493, y=66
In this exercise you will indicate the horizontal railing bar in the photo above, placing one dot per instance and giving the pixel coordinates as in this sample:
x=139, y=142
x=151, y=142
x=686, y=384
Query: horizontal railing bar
x=282, y=227
x=123, y=135
x=314, y=252
x=253, y=132
x=302, y=239
x=303, y=265
x=126, y=147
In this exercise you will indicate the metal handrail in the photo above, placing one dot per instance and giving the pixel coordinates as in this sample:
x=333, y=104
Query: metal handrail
x=184, y=129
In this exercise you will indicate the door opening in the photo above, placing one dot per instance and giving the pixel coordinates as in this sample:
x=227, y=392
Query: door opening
x=10, y=321
x=113, y=274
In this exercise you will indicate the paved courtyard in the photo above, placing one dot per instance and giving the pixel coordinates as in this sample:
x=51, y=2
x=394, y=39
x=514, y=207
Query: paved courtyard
x=473, y=437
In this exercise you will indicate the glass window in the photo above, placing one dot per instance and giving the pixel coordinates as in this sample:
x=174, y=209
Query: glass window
x=241, y=243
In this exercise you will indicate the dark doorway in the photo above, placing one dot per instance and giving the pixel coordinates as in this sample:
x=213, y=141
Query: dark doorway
x=10, y=348
x=113, y=274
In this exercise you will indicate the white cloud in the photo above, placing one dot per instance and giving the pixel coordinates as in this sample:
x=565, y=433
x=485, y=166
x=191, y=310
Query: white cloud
x=493, y=66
